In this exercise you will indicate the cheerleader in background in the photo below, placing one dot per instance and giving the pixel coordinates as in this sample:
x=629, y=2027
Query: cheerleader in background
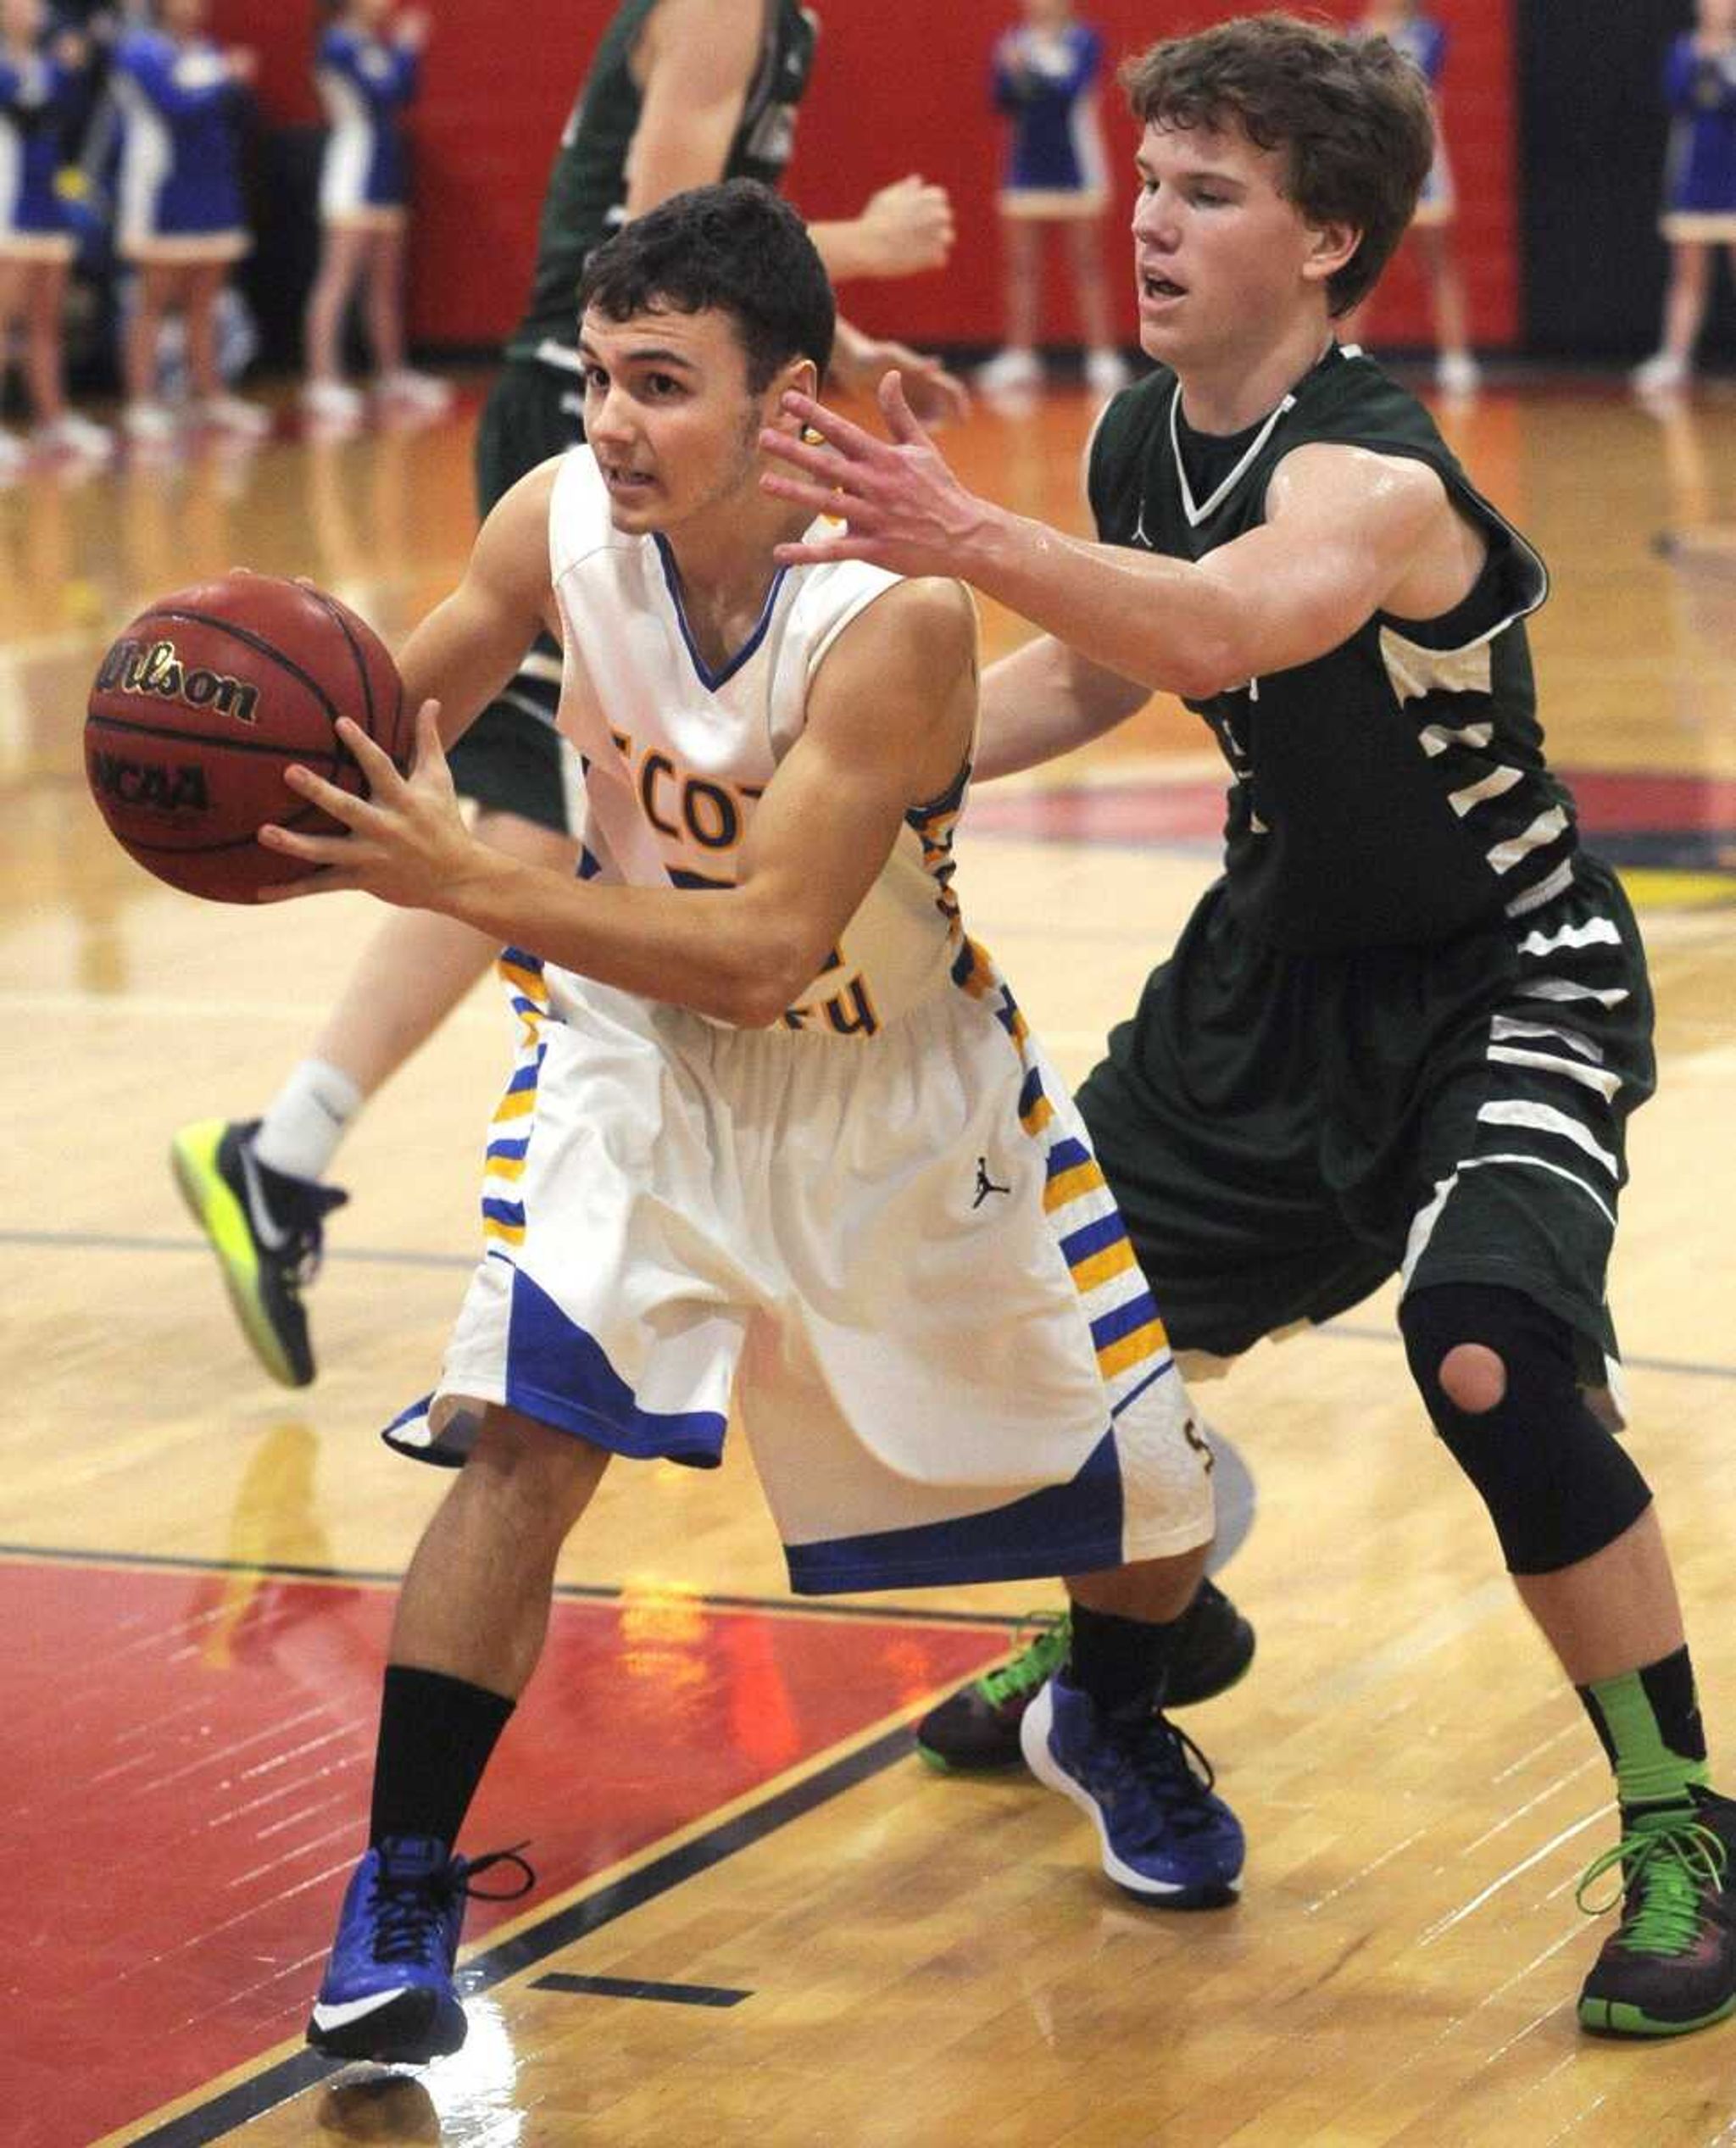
x=1699, y=186
x=1424, y=42
x=1045, y=79
x=179, y=221
x=367, y=70
x=37, y=86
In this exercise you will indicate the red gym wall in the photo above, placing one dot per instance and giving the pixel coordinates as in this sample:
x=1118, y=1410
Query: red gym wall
x=900, y=85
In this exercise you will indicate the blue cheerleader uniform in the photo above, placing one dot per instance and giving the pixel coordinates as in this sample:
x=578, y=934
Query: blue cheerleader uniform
x=1700, y=183
x=364, y=83
x=34, y=97
x=1046, y=83
x=179, y=195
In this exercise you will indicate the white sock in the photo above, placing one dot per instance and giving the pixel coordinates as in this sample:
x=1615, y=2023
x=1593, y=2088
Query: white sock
x=308, y=1118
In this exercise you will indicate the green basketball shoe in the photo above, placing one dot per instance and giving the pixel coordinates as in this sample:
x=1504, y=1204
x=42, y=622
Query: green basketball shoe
x=978, y=1727
x=1670, y=1965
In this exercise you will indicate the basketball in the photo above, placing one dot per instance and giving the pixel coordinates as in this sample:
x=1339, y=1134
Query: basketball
x=203, y=703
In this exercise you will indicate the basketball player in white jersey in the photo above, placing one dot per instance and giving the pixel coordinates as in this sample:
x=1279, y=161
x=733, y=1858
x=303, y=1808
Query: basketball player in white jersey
x=777, y=1131
x=677, y=93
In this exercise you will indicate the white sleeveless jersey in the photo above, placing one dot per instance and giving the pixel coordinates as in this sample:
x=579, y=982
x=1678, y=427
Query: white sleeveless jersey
x=677, y=755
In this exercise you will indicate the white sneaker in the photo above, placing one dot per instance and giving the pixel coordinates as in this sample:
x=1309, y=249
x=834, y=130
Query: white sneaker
x=1106, y=372
x=72, y=435
x=232, y=413
x=332, y=401
x=1013, y=369
x=13, y=455
x=1457, y=373
x=416, y=390
x=1662, y=374
x=148, y=425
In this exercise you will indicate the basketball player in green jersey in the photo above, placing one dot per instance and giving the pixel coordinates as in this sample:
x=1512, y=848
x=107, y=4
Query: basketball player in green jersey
x=680, y=92
x=1405, y=1030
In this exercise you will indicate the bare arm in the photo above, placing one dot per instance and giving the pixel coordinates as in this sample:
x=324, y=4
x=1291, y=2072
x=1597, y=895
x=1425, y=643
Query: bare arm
x=694, y=64
x=473, y=641
x=903, y=229
x=1043, y=701
x=1347, y=534
x=1342, y=529
x=889, y=718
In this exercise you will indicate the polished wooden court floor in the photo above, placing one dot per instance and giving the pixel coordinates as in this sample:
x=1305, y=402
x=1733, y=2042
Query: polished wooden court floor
x=759, y=1919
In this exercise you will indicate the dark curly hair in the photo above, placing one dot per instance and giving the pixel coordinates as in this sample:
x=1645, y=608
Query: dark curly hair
x=1350, y=116
x=734, y=247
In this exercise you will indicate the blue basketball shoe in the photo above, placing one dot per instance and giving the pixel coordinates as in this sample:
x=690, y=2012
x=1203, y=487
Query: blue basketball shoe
x=1164, y=1836
x=388, y=1993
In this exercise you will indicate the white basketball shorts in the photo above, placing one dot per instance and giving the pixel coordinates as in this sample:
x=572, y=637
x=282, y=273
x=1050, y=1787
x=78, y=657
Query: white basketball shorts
x=895, y=1255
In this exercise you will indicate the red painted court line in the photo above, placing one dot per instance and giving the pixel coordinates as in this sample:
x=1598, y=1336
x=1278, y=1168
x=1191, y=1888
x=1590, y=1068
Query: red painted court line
x=1185, y=811
x=188, y=1755
x=1611, y=801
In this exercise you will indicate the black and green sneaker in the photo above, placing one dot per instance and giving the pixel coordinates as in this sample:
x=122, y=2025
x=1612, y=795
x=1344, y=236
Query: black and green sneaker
x=1670, y=1965
x=978, y=1727
x=265, y=1229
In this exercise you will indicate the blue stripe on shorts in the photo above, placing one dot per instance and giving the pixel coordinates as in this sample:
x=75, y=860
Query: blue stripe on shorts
x=1074, y=1527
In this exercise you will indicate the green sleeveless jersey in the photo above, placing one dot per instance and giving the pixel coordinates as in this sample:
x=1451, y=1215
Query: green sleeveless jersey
x=1393, y=790
x=588, y=187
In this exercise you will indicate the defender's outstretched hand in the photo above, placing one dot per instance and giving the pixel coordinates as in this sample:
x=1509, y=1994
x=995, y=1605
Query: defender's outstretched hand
x=407, y=841
x=903, y=507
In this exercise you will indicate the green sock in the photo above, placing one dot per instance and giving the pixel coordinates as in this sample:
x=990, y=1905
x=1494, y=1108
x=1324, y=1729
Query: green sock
x=1649, y=1723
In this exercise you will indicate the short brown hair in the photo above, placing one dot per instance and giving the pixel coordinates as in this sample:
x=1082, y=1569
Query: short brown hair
x=1350, y=114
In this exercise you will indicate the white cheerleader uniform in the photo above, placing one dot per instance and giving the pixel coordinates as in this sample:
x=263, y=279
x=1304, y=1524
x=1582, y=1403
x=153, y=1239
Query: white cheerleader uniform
x=876, y=1226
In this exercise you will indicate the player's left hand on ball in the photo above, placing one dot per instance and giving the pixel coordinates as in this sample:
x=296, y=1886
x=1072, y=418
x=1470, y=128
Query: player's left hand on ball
x=406, y=841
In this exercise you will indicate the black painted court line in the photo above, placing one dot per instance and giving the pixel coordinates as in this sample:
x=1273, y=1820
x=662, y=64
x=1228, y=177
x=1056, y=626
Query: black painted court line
x=564, y=1591
x=381, y=1257
x=1348, y=1331
x=119, y=1241
x=1233, y=1483
x=399, y=1257
x=1236, y=1502
x=674, y=1994
x=252, y=2099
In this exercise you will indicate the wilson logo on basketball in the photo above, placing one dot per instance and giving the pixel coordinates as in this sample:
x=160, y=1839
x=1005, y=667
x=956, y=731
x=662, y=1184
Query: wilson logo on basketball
x=156, y=668
x=149, y=783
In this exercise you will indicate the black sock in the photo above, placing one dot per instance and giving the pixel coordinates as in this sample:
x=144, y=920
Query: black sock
x=1122, y=1663
x=437, y=1735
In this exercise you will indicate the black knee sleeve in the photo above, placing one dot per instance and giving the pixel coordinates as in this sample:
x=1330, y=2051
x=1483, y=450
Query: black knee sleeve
x=1558, y=1487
